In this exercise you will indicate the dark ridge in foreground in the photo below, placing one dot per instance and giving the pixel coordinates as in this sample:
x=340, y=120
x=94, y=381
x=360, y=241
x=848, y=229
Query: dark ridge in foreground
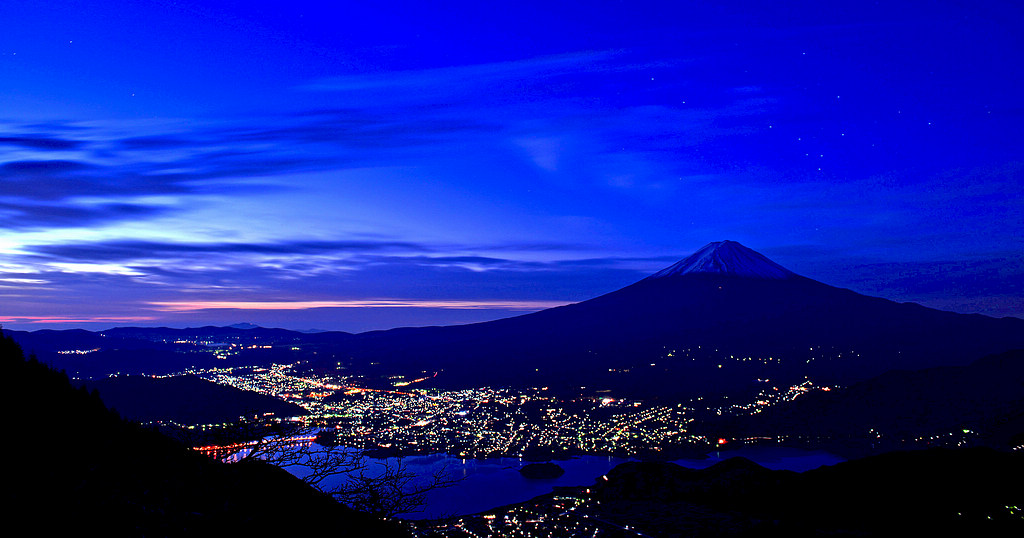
x=982, y=402
x=938, y=492
x=77, y=466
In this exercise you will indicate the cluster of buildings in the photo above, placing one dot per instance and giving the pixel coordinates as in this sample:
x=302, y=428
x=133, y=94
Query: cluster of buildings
x=492, y=422
x=568, y=512
x=471, y=423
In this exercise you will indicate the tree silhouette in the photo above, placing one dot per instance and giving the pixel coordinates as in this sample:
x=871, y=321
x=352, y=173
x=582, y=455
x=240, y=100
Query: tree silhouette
x=383, y=488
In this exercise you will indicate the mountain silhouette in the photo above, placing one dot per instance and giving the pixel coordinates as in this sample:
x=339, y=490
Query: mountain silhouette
x=163, y=350
x=76, y=466
x=714, y=322
x=720, y=321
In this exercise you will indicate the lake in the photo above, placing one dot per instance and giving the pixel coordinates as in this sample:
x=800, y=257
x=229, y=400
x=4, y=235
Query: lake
x=490, y=483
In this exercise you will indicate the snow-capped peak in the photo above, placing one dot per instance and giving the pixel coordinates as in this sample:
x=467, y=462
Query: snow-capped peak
x=727, y=257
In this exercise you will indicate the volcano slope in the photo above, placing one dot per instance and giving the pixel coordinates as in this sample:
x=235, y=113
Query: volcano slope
x=713, y=323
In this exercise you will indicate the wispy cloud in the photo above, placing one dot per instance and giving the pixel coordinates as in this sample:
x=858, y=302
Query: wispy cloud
x=121, y=251
x=194, y=306
x=29, y=215
x=47, y=320
x=40, y=142
x=549, y=113
x=473, y=77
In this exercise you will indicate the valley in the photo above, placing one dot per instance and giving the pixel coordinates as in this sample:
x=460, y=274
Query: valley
x=722, y=352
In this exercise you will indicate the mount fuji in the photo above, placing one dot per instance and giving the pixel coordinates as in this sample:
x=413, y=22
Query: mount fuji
x=716, y=321
x=726, y=258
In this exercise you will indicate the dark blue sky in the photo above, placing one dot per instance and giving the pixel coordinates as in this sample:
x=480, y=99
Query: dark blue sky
x=304, y=164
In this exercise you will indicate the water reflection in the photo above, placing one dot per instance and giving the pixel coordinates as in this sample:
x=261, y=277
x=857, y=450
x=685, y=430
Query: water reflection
x=486, y=484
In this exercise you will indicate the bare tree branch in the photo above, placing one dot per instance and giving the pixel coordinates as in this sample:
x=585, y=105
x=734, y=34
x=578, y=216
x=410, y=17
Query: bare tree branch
x=385, y=489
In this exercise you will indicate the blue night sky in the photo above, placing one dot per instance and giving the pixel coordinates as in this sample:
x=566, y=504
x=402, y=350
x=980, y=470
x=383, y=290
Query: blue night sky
x=367, y=165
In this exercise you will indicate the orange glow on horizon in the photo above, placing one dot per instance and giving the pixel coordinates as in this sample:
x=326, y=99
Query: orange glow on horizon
x=192, y=306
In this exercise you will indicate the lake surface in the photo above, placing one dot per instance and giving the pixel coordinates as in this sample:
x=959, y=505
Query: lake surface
x=490, y=483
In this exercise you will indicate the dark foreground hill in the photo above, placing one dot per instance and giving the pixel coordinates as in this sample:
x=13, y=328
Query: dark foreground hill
x=938, y=492
x=73, y=465
x=979, y=403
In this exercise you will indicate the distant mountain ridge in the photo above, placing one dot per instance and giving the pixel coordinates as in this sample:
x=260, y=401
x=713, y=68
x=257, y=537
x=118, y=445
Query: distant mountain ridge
x=163, y=350
x=715, y=322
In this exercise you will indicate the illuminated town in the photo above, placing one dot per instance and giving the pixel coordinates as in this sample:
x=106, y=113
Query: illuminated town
x=471, y=423
x=389, y=416
x=489, y=422
x=386, y=416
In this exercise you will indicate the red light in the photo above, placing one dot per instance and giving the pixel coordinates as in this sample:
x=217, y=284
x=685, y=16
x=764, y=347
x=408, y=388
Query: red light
x=722, y=441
